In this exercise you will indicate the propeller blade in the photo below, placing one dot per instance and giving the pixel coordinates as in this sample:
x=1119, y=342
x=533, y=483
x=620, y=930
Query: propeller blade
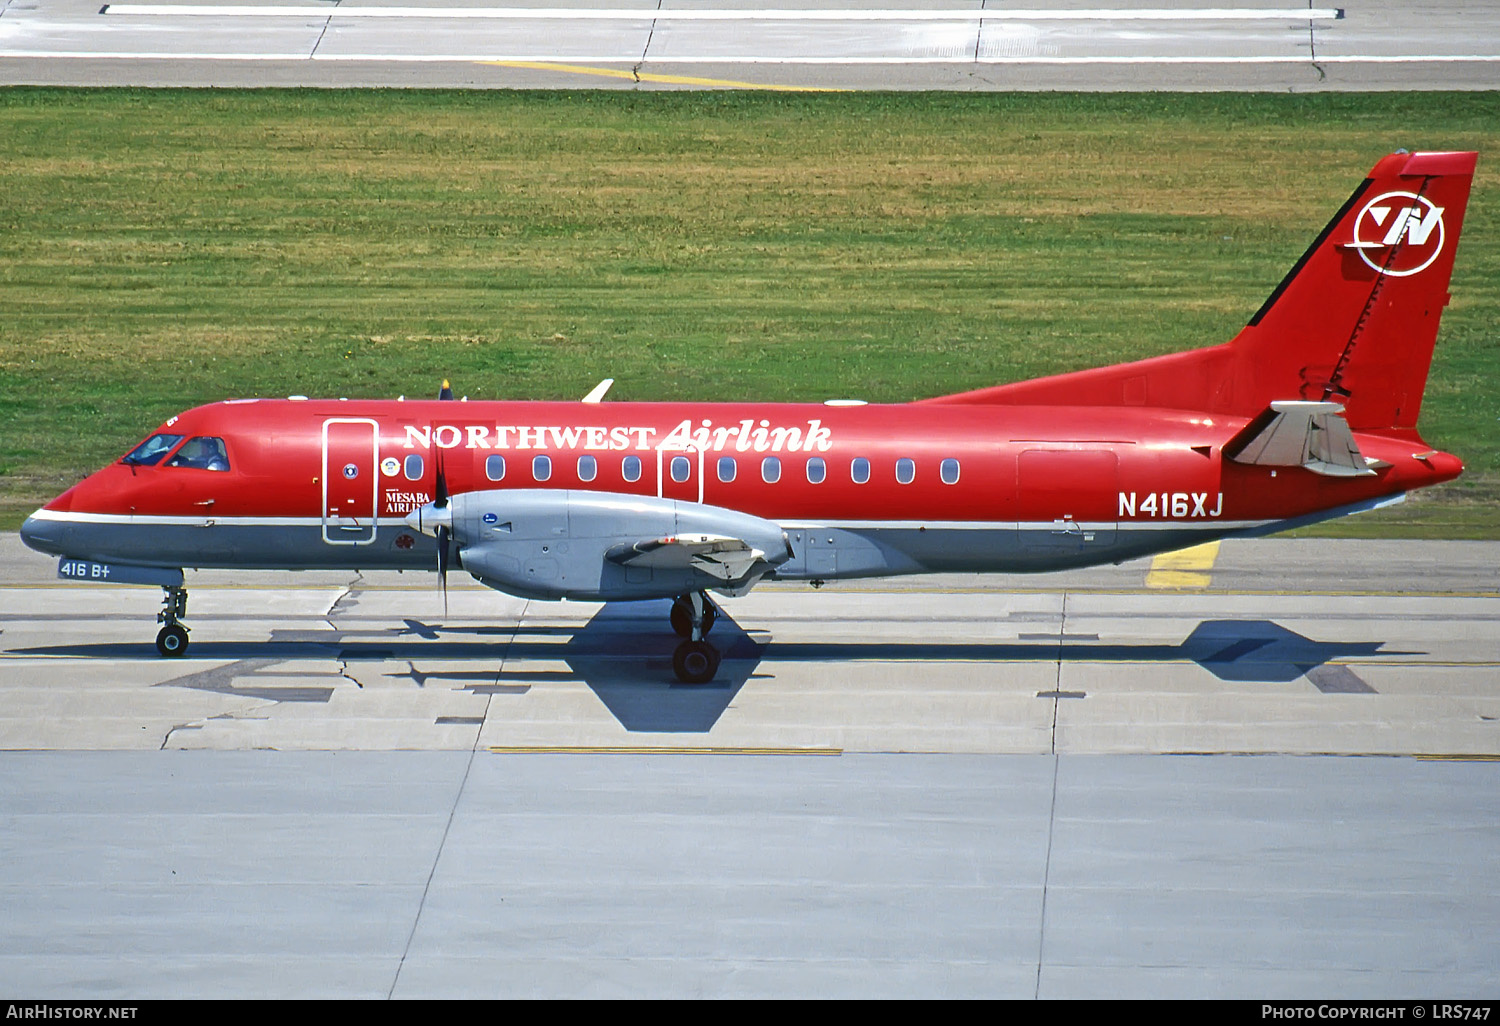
x=443, y=534
x=436, y=519
x=440, y=487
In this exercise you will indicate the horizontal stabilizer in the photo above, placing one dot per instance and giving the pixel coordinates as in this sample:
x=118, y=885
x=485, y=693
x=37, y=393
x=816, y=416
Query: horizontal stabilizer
x=1299, y=433
x=725, y=559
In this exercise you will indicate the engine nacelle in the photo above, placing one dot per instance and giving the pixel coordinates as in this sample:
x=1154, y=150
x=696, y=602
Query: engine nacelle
x=551, y=544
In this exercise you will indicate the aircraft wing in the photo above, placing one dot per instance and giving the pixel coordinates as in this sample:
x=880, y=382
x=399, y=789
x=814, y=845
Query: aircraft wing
x=727, y=559
x=1299, y=433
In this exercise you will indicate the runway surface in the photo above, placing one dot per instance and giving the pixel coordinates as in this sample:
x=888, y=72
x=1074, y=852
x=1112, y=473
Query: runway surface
x=934, y=786
x=1284, y=647
x=832, y=44
x=446, y=874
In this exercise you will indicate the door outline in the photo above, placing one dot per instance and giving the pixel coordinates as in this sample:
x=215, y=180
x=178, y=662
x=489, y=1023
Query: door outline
x=1069, y=532
x=347, y=527
x=661, y=468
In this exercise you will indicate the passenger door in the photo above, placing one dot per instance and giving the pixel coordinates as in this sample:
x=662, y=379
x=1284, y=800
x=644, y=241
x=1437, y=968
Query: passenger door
x=351, y=482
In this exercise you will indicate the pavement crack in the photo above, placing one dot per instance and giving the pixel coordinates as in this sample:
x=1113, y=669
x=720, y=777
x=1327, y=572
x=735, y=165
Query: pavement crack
x=174, y=729
x=436, y=858
x=1041, y=939
x=347, y=599
x=344, y=672
x=1312, y=48
x=1062, y=633
x=313, y=53
x=635, y=72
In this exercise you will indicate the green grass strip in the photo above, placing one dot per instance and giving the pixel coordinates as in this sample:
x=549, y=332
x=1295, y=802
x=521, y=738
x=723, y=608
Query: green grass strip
x=163, y=248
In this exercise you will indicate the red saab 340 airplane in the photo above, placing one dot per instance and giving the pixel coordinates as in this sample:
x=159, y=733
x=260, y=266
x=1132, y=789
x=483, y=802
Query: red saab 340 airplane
x=1309, y=413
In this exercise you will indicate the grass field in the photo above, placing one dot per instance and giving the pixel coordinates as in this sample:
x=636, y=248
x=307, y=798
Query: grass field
x=160, y=249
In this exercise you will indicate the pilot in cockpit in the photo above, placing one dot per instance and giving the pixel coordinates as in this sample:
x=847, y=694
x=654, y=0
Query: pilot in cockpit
x=202, y=453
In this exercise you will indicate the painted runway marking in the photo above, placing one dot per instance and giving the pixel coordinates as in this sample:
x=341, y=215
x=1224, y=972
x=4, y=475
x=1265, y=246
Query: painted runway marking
x=1184, y=568
x=773, y=14
x=484, y=58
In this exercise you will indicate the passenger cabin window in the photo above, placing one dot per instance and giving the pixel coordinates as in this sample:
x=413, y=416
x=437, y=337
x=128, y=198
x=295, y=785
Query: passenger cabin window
x=541, y=468
x=682, y=468
x=770, y=469
x=906, y=470
x=494, y=468
x=588, y=468
x=414, y=467
x=727, y=469
x=201, y=454
x=817, y=470
x=150, y=452
x=859, y=470
x=630, y=468
x=948, y=471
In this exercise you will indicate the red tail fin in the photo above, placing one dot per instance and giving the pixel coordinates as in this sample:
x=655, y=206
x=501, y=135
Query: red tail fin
x=1354, y=321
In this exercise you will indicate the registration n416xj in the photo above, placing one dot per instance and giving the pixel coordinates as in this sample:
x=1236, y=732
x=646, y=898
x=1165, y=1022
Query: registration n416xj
x=1172, y=505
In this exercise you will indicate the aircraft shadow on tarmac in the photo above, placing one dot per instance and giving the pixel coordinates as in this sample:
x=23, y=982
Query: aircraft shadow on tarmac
x=623, y=654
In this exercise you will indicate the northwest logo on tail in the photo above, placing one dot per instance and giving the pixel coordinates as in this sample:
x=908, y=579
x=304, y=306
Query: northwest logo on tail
x=1398, y=233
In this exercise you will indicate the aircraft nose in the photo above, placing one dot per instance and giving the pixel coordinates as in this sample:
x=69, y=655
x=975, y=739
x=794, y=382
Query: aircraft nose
x=427, y=519
x=43, y=535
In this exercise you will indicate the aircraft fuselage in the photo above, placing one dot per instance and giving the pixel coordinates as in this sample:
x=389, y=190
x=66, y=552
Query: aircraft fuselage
x=859, y=490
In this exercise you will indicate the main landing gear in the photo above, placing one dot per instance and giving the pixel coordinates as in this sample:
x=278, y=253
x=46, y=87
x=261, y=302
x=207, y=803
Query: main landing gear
x=693, y=616
x=172, y=639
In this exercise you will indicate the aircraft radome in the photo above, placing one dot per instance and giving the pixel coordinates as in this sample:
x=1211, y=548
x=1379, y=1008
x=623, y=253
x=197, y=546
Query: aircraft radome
x=1309, y=413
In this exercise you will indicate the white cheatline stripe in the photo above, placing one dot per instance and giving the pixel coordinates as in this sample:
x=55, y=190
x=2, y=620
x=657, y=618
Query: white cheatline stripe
x=652, y=14
x=452, y=58
x=155, y=520
x=1200, y=524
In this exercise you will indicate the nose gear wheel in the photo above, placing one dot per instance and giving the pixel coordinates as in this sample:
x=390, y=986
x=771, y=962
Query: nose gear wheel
x=172, y=639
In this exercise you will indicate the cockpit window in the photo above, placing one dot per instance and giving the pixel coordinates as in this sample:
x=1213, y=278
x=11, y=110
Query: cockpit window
x=150, y=452
x=202, y=453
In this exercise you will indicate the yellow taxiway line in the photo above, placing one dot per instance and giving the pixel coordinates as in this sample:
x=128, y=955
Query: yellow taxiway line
x=651, y=750
x=648, y=76
x=1475, y=757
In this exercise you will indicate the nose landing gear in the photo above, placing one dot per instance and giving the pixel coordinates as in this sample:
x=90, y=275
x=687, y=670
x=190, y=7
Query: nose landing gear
x=695, y=661
x=172, y=639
